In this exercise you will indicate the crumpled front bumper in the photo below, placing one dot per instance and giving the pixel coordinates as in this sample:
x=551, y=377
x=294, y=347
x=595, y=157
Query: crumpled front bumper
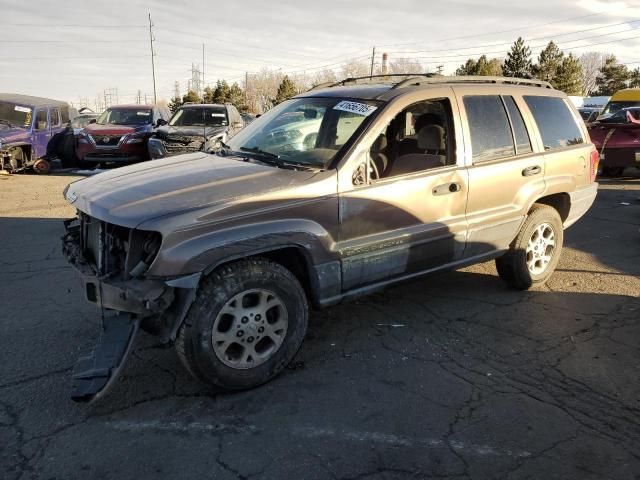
x=138, y=296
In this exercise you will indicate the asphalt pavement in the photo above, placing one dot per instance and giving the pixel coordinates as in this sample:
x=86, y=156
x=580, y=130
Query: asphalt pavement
x=453, y=376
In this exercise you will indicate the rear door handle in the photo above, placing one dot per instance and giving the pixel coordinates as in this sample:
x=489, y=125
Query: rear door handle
x=531, y=171
x=447, y=188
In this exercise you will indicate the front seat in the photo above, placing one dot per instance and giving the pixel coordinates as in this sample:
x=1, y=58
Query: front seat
x=431, y=141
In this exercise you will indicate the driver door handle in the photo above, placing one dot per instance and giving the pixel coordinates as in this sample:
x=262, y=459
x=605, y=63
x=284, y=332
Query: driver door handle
x=531, y=171
x=447, y=189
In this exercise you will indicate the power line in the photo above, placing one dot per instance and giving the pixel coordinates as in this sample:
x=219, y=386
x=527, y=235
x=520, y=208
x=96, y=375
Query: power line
x=53, y=25
x=519, y=29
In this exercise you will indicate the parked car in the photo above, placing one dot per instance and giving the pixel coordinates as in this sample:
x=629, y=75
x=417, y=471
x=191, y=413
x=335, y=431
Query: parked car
x=627, y=98
x=79, y=122
x=196, y=127
x=589, y=114
x=120, y=134
x=31, y=131
x=617, y=138
x=224, y=253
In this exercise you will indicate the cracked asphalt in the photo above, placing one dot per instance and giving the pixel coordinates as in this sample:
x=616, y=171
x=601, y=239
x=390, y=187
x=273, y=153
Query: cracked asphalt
x=453, y=376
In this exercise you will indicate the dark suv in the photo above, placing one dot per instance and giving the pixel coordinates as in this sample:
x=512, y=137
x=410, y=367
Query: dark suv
x=120, y=134
x=196, y=127
x=379, y=183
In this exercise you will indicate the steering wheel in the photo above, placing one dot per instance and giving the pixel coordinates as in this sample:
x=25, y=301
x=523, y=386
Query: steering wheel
x=373, y=170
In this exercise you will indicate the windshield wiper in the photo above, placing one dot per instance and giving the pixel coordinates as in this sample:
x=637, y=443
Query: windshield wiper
x=273, y=159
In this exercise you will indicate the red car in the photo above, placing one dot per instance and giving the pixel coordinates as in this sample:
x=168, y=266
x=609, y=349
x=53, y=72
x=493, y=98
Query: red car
x=120, y=134
x=617, y=138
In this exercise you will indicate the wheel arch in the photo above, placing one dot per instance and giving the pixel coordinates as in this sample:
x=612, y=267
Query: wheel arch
x=561, y=202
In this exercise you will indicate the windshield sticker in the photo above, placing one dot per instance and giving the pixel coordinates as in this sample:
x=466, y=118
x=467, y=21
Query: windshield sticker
x=18, y=108
x=219, y=115
x=143, y=114
x=355, y=107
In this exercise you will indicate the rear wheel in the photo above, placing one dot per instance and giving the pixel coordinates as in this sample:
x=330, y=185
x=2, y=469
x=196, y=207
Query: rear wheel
x=534, y=254
x=246, y=324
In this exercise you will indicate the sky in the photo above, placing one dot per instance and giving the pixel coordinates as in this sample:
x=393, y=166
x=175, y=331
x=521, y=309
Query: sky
x=74, y=51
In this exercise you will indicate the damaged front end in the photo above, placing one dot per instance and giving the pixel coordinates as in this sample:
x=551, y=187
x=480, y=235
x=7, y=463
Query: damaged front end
x=112, y=262
x=161, y=146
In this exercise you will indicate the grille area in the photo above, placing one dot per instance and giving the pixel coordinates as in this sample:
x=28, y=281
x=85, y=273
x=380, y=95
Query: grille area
x=106, y=140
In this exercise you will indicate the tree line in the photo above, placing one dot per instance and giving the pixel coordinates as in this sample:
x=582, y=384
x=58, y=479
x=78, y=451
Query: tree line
x=592, y=73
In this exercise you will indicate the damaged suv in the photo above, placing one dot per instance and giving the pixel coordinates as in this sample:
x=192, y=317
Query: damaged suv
x=224, y=253
x=194, y=128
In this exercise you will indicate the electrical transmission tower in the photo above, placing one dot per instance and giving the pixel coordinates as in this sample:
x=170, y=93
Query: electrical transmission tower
x=176, y=90
x=196, y=80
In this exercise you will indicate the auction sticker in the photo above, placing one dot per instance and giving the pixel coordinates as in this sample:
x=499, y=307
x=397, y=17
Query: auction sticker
x=355, y=107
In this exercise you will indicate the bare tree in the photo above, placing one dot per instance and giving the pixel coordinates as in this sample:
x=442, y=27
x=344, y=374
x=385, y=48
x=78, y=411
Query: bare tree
x=355, y=68
x=591, y=65
x=406, y=65
x=261, y=89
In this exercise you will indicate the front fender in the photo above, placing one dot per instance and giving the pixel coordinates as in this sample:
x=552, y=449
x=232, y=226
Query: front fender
x=205, y=252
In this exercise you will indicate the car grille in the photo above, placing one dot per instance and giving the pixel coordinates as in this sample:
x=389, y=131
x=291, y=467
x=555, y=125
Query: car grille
x=112, y=250
x=106, y=140
x=184, y=144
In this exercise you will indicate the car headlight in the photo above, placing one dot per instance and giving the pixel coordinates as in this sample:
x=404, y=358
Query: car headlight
x=135, y=138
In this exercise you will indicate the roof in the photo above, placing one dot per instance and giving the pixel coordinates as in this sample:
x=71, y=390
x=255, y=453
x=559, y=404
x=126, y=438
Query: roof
x=133, y=106
x=630, y=94
x=202, y=105
x=31, y=101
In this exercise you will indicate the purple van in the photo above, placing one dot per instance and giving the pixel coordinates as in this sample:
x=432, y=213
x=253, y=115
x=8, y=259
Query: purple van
x=32, y=129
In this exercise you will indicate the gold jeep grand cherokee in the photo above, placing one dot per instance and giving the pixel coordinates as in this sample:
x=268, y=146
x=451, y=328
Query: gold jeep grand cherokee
x=377, y=181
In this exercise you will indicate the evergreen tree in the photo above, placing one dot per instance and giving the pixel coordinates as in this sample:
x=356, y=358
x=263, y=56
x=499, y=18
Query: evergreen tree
x=569, y=76
x=174, y=104
x=236, y=96
x=518, y=61
x=286, y=90
x=221, y=92
x=483, y=67
x=208, y=95
x=191, y=97
x=634, y=78
x=549, y=62
x=613, y=77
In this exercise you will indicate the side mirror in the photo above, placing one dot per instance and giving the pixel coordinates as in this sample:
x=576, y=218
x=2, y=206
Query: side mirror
x=93, y=120
x=161, y=122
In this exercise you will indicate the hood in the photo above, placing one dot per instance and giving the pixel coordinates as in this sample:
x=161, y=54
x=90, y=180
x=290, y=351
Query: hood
x=131, y=195
x=12, y=134
x=616, y=135
x=188, y=131
x=110, y=129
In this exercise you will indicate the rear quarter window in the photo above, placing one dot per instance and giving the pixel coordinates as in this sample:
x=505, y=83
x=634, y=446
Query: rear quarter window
x=556, y=122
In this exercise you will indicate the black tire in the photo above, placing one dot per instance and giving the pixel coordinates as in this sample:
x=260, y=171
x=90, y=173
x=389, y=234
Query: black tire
x=68, y=157
x=194, y=344
x=513, y=268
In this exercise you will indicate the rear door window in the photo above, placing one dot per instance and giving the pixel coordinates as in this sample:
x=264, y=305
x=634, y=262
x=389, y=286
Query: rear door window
x=556, y=123
x=491, y=137
x=523, y=142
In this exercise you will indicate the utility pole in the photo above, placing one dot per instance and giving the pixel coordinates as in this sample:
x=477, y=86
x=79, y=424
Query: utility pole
x=176, y=89
x=139, y=98
x=153, y=65
x=440, y=69
x=246, y=87
x=373, y=59
x=203, y=73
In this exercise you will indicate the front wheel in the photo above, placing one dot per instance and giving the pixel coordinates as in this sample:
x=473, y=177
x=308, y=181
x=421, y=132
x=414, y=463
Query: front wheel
x=535, y=252
x=246, y=324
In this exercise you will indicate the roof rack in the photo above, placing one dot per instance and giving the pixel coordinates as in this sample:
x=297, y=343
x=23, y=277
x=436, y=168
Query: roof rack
x=373, y=79
x=416, y=79
x=410, y=82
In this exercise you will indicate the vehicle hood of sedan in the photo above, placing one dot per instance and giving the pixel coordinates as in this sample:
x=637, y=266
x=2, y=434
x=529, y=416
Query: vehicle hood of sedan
x=187, y=132
x=129, y=196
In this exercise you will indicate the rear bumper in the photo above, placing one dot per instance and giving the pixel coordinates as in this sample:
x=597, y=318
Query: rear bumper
x=621, y=157
x=581, y=201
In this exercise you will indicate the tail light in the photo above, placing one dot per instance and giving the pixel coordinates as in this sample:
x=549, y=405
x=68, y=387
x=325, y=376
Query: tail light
x=593, y=167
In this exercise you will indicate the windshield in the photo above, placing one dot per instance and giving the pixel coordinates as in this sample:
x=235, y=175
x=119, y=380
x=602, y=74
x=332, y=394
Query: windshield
x=613, y=107
x=621, y=116
x=306, y=131
x=212, y=116
x=16, y=114
x=125, y=116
